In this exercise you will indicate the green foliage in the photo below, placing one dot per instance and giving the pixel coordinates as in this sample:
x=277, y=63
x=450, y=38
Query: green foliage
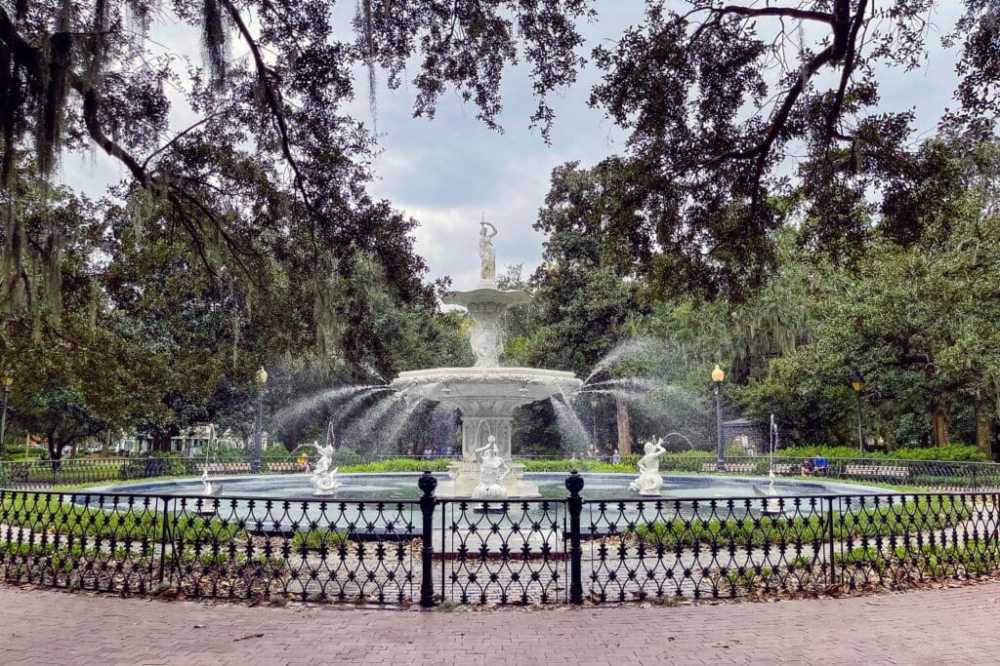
x=399, y=465
x=929, y=513
x=319, y=539
x=953, y=452
x=345, y=457
x=61, y=516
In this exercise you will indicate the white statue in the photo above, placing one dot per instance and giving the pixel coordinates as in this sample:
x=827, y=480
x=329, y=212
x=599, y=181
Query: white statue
x=487, y=253
x=324, y=477
x=493, y=469
x=650, y=481
x=209, y=489
x=769, y=504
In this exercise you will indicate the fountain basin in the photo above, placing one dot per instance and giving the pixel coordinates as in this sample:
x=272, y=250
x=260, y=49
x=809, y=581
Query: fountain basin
x=486, y=392
x=487, y=398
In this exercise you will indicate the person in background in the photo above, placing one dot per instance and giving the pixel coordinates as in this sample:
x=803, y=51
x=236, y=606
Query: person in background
x=616, y=458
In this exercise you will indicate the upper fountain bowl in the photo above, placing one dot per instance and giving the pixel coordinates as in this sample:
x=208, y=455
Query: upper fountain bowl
x=486, y=391
x=487, y=294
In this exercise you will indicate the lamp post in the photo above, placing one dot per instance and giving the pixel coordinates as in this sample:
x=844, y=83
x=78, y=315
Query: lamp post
x=7, y=382
x=718, y=376
x=858, y=383
x=260, y=379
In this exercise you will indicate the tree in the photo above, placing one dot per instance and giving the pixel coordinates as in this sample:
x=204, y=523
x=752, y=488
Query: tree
x=915, y=318
x=716, y=97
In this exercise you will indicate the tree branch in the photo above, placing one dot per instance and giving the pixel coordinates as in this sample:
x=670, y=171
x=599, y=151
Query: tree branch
x=849, y=63
x=785, y=12
x=831, y=54
x=272, y=102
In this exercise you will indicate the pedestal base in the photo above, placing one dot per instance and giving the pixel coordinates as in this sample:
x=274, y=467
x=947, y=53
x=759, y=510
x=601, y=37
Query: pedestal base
x=463, y=477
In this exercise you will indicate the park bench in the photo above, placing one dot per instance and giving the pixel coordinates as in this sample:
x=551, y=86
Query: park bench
x=244, y=468
x=286, y=466
x=225, y=468
x=896, y=472
x=742, y=468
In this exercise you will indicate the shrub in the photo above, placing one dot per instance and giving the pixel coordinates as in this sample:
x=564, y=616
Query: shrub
x=319, y=539
x=347, y=457
x=952, y=452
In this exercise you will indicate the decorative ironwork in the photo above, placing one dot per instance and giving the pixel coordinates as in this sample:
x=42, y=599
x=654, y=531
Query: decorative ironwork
x=524, y=551
x=502, y=551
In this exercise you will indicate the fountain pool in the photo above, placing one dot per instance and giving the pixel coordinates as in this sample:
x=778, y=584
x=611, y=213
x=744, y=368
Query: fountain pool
x=391, y=486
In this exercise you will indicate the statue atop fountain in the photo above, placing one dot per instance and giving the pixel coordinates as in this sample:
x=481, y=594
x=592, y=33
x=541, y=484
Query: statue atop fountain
x=324, y=477
x=650, y=481
x=493, y=469
x=487, y=254
x=486, y=394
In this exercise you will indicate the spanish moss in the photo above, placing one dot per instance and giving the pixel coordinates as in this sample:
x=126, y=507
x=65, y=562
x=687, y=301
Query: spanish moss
x=214, y=42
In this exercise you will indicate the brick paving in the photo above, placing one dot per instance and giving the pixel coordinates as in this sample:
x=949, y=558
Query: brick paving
x=944, y=626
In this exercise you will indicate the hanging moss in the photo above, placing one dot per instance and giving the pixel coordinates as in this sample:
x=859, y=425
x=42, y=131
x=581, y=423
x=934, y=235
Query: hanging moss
x=213, y=39
x=53, y=273
x=97, y=42
x=364, y=17
x=53, y=107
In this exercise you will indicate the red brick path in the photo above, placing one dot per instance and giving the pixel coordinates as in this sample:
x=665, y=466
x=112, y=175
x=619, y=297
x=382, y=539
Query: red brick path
x=951, y=626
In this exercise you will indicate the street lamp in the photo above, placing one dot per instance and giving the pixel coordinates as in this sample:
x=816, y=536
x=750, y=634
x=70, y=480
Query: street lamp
x=858, y=383
x=260, y=379
x=718, y=376
x=7, y=382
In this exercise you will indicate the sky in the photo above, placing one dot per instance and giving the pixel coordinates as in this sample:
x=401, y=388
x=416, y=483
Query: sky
x=450, y=171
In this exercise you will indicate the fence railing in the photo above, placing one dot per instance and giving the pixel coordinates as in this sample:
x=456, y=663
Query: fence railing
x=80, y=471
x=435, y=550
x=938, y=475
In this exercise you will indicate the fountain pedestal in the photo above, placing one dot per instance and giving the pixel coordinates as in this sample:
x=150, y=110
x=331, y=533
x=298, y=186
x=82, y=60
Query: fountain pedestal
x=485, y=394
x=487, y=398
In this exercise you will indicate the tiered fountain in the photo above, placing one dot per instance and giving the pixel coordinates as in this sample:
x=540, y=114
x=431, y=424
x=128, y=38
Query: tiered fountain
x=486, y=394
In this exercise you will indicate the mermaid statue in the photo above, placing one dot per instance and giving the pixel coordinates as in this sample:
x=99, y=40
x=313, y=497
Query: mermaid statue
x=324, y=477
x=493, y=469
x=649, y=481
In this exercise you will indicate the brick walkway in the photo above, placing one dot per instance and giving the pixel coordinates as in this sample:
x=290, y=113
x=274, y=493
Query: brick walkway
x=947, y=626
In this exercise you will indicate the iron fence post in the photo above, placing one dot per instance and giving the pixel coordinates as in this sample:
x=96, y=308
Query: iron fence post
x=427, y=485
x=830, y=536
x=574, y=484
x=164, y=536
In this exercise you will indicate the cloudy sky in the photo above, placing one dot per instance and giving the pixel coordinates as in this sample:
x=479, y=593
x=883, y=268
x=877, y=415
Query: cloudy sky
x=449, y=171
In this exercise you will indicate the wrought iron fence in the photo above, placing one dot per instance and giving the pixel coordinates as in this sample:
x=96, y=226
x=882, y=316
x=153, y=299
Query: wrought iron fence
x=936, y=474
x=531, y=551
x=80, y=471
x=930, y=474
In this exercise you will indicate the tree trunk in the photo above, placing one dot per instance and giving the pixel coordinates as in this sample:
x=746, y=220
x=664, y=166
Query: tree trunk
x=161, y=441
x=624, y=427
x=939, y=423
x=55, y=451
x=984, y=427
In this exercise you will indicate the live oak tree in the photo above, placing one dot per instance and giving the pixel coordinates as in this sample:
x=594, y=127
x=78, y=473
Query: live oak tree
x=719, y=97
x=714, y=94
x=916, y=318
x=74, y=376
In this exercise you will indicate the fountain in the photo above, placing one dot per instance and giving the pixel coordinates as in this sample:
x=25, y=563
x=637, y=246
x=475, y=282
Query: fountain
x=486, y=394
